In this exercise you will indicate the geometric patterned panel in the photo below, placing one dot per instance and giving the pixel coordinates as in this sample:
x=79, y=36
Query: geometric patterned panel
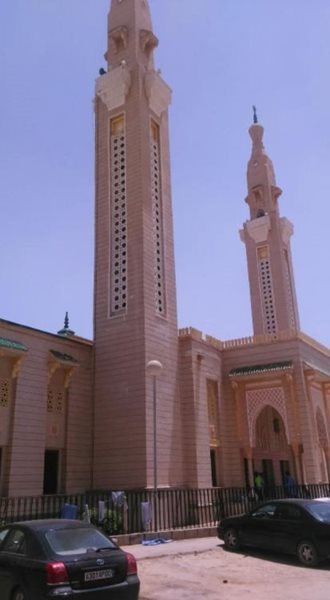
x=256, y=400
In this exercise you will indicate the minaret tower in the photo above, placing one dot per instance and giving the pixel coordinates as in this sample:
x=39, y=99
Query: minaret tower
x=135, y=318
x=267, y=239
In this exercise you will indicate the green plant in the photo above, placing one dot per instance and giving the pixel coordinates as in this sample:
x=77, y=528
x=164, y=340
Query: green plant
x=111, y=523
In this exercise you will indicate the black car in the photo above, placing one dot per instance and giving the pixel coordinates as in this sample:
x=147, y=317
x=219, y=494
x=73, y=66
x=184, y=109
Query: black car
x=292, y=526
x=59, y=558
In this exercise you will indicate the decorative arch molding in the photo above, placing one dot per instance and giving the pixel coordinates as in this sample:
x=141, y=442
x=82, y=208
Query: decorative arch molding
x=321, y=428
x=257, y=400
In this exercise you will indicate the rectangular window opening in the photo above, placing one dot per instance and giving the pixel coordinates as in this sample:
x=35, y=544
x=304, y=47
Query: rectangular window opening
x=51, y=471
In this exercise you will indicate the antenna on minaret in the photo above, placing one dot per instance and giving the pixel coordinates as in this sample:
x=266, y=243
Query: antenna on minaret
x=255, y=116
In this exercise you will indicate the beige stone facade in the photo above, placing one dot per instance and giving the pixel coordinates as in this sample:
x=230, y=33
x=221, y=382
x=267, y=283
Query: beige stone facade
x=77, y=414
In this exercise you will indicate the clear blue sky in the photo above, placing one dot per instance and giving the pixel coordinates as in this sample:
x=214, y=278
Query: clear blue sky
x=220, y=57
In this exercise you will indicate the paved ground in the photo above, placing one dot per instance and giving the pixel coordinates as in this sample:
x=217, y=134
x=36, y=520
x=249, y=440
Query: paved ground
x=201, y=569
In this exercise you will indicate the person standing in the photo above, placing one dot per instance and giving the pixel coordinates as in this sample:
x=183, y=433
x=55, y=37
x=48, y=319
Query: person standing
x=289, y=484
x=259, y=484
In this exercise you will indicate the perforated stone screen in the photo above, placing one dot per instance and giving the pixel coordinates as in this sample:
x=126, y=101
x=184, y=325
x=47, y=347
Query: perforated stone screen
x=157, y=219
x=118, y=212
x=266, y=288
x=4, y=392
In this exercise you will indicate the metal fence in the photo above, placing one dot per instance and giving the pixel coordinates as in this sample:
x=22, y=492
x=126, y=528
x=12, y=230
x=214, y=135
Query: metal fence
x=137, y=511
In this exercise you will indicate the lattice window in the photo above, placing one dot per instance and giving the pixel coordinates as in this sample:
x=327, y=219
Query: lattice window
x=50, y=401
x=267, y=293
x=4, y=392
x=288, y=278
x=55, y=401
x=59, y=402
x=157, y=218
x=118, y=212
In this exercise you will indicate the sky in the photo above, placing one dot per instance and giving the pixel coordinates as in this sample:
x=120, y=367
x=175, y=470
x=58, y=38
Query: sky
x=220, y=57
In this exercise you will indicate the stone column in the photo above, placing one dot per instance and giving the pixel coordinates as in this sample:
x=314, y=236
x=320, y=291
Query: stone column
x=248, y=454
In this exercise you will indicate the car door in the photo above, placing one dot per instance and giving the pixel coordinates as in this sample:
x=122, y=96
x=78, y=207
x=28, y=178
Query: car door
x=4, y=576
x=22, y=563
x=259, y=526
x=291, y=522
x=11, y=550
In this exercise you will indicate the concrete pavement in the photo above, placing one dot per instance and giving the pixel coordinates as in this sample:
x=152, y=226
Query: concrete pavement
x=186, y=546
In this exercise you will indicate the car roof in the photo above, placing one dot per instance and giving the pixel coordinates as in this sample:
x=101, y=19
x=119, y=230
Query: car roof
x=300, y=501
x=44, y=524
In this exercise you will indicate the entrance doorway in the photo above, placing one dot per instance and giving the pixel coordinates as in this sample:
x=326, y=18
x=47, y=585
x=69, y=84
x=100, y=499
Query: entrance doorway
x=51, y=468
x=268, y=473
x=285, y=468
x=214, y=468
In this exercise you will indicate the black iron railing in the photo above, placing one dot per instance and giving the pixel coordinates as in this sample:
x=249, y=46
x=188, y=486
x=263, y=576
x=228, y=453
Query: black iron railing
x=136, y=511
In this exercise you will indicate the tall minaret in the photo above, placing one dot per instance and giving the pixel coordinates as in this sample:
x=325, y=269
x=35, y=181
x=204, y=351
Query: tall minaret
x=135, y=318
x=267, y=239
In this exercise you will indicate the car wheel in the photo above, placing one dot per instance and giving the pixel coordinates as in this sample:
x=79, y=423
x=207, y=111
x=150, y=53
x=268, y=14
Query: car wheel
x=307, y=553
x=19, y=595
x=231, y=539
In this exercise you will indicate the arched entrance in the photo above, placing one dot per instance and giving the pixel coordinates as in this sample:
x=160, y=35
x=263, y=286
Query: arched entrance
x=272, y=452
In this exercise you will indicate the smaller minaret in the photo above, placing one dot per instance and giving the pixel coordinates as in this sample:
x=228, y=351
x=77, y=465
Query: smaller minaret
x=66, y=331
x=267, y=239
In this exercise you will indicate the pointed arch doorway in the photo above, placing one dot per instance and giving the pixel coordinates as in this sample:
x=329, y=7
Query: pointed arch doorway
x=272, y=453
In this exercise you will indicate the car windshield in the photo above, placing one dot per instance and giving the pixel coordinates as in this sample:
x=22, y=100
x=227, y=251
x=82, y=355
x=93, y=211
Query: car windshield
x=77, y=540
x=320, y=510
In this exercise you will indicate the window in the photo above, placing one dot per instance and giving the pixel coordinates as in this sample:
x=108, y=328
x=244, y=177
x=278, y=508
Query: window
x=15, y=542
x=265, y=511
x=3, y=534
x=288, y=513
x=276, y=425
x=76, y=540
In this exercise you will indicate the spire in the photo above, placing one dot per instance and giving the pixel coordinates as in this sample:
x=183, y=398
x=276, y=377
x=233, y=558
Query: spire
x=130, y=35
x=255, y=116
x=66, y=331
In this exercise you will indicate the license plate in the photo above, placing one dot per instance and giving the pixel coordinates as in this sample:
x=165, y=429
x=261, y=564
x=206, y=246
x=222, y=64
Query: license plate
x=96, y=575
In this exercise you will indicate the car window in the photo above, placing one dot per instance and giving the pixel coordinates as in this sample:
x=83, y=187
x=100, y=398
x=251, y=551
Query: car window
x=265, y=511
x=319, y=510
x=15, y=542
x=76, y=541
x=288, y=513
x=3, y=534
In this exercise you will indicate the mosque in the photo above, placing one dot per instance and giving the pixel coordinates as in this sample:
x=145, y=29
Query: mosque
x=78, y=414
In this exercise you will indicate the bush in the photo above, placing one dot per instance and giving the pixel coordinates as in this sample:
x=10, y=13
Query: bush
x=112, y=522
